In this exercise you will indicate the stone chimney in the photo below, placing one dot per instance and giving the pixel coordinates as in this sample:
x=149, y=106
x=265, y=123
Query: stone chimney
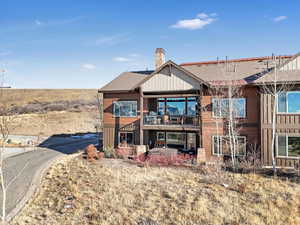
x=159, y=57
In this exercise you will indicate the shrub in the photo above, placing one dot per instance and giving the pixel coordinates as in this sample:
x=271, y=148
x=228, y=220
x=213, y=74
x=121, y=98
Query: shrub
x=164, y=159
x=109, y=152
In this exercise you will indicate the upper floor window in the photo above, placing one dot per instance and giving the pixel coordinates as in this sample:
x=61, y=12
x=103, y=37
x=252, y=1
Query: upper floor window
x=125, y=108
x=177, y=106
x=221, y=107
x=288, y=146
x=289, y=102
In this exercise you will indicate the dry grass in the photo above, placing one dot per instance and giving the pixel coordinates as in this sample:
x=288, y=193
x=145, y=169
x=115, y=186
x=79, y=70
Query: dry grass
x=55, y=123
x=49, y=122
x=21, y=97
x=115, y=192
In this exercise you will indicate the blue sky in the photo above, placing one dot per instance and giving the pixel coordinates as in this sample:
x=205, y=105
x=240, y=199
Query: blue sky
x=85, y=44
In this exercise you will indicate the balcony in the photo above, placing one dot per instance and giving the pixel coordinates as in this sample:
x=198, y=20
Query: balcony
x=170, y=121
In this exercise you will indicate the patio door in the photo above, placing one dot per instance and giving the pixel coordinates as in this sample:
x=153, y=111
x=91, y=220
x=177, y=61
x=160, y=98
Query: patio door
x=176, y=140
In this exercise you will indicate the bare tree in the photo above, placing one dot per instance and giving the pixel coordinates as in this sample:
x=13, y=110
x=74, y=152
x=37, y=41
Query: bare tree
x=225, y=106
x=4, y=133
x=275, y=87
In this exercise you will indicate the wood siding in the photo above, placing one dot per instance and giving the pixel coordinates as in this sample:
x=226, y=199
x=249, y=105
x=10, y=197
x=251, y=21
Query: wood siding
x=170, y=79
x=285, y=124
x=292, y=65
x=112, y=125
x=249, y=126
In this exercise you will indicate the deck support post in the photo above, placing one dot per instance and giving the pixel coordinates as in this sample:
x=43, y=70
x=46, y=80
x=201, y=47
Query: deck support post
x=141, y=116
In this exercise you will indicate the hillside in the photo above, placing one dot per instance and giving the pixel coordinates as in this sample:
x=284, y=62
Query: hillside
x=52, y=111
x=26, y=96
x=114, y=192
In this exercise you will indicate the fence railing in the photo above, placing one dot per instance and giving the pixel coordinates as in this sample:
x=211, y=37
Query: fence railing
x=171, y=120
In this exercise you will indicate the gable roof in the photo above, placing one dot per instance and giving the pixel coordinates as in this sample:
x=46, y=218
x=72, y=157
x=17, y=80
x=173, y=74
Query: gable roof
x=282, y=75
x=125, y=81
x=254, y=70
x=171, y=63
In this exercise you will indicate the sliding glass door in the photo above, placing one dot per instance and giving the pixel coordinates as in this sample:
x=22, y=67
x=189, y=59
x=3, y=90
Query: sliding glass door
x=178, y=140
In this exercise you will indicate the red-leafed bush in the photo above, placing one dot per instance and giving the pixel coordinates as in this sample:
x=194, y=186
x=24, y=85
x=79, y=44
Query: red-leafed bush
x=164, y=159
x=124, y=152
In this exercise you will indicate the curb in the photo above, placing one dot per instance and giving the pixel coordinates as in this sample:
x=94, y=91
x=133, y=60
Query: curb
x=35, y=185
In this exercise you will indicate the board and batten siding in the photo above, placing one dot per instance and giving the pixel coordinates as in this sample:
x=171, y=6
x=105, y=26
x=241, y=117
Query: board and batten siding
x=292, y=65
x=170, y=79
x=285, y=124
x=113, y=125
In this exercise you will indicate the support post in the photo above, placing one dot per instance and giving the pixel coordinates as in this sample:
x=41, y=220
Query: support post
x=141, y=116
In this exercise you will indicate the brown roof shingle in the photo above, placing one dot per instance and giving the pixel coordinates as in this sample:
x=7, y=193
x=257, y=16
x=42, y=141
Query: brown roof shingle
x=125, y=81
x=247, y=69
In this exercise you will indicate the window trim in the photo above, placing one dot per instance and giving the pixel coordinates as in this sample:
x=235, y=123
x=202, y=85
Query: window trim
x=286, y=147
x=287, y=103
x=114, y=107
x=220, y=117
x=213, y=145
x=129, y=145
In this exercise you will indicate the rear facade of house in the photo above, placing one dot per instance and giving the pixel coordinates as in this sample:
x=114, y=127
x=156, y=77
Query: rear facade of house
x=176, y=106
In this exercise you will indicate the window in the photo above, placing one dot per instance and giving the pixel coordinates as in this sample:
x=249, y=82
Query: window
x=221, y=145
x=288, y=102
x=125, y=139
x=221, y=107
x=176, y=140
x=161, y=136
x=191, y=106
x=177, y=106
x=288, y=146
x=161, y=106
x=125, y=109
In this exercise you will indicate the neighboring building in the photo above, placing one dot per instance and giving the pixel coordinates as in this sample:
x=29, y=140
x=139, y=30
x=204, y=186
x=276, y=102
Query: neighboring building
x=175, y=106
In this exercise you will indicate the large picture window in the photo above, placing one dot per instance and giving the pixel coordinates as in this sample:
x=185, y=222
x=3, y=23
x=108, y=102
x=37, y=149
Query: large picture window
x=288, y=146
x=221, y=107
x=289, y=102
x=125, y=109
x=221, y=145
x=177, y=106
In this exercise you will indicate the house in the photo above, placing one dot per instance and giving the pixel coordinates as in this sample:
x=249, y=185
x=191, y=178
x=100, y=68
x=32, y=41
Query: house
x=185, y=106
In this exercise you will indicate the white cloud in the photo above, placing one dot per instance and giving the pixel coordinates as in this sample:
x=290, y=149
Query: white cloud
x=89, y=66
x=202, y=15
x=121, y=59
x=280, y=18
x=199, y=22
x=39, y=23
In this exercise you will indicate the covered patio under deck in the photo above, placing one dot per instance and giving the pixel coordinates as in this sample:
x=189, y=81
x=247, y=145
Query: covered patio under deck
x=183, y=141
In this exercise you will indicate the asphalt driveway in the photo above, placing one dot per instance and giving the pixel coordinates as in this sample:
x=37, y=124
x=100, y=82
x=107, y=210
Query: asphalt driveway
x=26, y=165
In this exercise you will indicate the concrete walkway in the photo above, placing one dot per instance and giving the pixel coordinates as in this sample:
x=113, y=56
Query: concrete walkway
x=27, y=165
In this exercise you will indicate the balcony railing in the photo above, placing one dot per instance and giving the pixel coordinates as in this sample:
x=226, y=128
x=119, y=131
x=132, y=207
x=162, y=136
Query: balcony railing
x=171, y=120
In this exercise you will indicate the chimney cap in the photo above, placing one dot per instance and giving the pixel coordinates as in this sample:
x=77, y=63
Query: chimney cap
x=158, y=50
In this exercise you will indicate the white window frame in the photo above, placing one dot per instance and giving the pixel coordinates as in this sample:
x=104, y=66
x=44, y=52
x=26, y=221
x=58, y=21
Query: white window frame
x=220, y=99
x=287, y=103
x=286, y=147
x=131, y=101
x=220, y=147
x=131, y=132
